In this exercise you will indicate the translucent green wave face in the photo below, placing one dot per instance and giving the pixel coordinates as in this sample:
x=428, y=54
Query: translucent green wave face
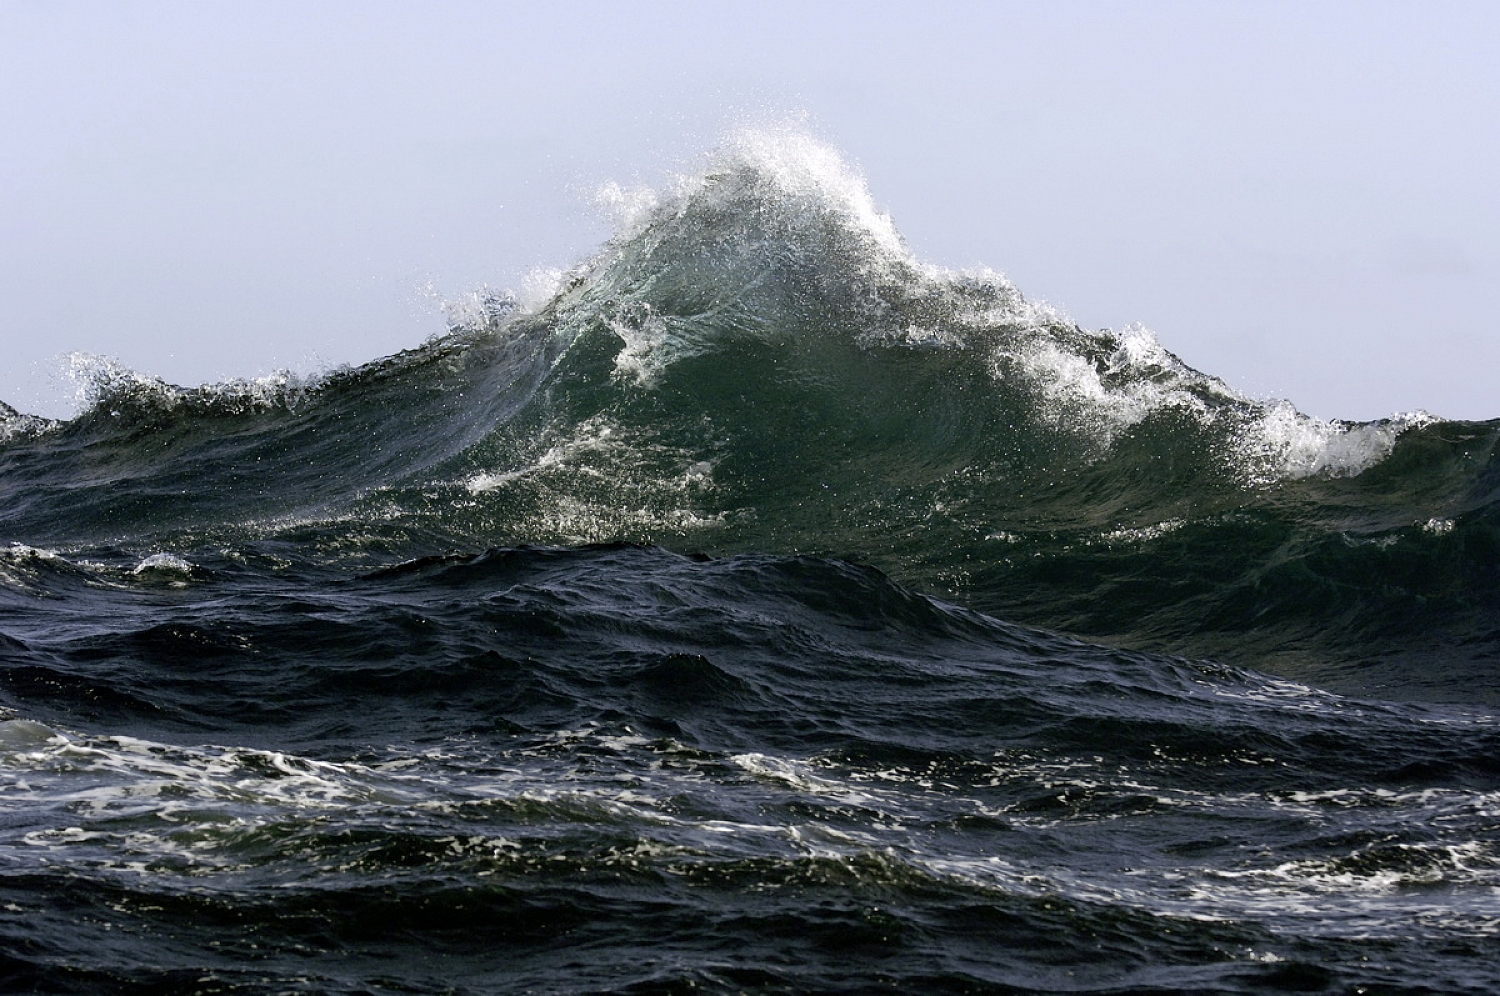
x=756, y=362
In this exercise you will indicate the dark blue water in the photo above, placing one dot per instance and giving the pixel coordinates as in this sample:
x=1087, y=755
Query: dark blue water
x=761, y=611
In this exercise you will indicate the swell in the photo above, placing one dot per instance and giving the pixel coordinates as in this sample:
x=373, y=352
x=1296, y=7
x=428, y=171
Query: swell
x=786, y=656
x=745, y=770
x=757, y=364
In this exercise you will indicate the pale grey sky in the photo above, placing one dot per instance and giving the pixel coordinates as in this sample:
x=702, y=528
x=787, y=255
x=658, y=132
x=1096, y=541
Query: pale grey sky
x=1300, y=198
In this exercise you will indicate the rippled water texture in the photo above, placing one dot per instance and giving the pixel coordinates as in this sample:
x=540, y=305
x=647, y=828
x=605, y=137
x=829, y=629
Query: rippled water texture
x=760, y=610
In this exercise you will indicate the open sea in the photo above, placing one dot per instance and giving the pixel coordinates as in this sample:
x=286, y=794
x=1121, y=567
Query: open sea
x=753, y=608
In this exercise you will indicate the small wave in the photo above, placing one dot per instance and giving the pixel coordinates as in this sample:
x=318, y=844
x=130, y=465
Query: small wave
x=168, y=567
x=14, y=424
x=104, y=386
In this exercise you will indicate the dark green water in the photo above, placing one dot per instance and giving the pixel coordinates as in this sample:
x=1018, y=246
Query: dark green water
x=764, y=611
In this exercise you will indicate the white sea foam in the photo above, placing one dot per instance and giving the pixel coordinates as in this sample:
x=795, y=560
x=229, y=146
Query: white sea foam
x=164, y=565
x=1284, y=443
x=1105, y=397
x=1074, y=393
x=806, y=168
x=104, y=384
x=601, y=482
x=146, y=808
x=20, y=565
x=14, y=424
x=596, y=437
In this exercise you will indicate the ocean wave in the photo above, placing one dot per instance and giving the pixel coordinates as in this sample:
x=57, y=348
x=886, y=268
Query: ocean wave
x=756, y=361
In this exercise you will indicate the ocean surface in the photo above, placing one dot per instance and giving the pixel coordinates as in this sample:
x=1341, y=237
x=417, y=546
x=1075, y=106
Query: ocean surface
x=751, y=608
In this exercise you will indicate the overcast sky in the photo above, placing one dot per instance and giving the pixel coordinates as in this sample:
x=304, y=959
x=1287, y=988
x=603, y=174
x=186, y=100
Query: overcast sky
x=1301, y=198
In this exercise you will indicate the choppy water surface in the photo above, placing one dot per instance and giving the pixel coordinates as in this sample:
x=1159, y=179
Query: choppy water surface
x=764, y=611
